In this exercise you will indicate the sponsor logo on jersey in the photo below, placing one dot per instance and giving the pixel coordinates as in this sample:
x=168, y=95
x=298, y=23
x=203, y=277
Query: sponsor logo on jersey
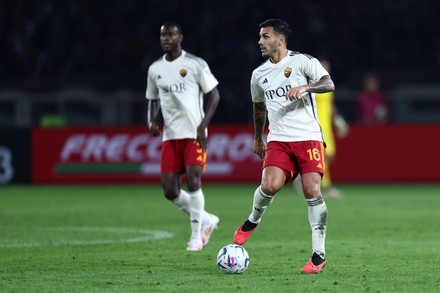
x=287, y=72
x=183, y=72
x=174, y=88
x=278, y=92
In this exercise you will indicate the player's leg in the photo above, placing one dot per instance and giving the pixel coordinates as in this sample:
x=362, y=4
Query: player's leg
x=327, y=186
x=171, y=188
x=327, y=131
x=317, y=212
x=311, y=163
x=274, y=174
x=171, y=168
x=272, y=181
x=202, y=223
x=196, y=205
x=192, y=203
x=173, y=192
x=182, y=201
x=181, y=198
x=209, y=221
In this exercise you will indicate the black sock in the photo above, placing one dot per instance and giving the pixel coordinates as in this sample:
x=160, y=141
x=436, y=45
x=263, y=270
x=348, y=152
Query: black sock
x=248, y=226
x=316, y=259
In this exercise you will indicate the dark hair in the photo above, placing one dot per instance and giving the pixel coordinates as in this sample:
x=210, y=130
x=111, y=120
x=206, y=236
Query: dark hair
x=175, y=24
x=279, y=26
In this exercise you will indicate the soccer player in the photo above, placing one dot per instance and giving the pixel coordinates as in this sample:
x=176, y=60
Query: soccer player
x=285, y=86
x=177, y=84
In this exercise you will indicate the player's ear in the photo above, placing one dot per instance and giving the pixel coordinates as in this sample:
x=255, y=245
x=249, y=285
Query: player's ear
x=281, y=40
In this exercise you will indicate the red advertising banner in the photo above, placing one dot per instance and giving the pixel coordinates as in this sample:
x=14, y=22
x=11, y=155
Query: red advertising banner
x=388, y=153
x=132, y=155
x=394, y=153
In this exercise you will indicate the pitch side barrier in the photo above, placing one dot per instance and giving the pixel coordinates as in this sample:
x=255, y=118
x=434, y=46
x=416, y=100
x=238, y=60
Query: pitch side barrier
x=131, y=155
x=401, y=153
x=118, y=155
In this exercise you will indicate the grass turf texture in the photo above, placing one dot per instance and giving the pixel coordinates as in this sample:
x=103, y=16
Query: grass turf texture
x=381, y=238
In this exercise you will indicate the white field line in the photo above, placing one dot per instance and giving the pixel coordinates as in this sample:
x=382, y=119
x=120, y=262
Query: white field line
x=141, y=235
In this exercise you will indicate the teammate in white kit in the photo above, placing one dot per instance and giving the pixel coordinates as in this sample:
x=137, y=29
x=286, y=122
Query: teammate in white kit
x=285, y=86
x=176, y=86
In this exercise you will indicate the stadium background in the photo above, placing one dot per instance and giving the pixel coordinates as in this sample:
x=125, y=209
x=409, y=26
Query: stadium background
x=86, y=61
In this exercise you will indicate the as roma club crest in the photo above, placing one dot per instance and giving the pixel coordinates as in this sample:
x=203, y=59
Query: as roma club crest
x=287, y=72
x=183, y=72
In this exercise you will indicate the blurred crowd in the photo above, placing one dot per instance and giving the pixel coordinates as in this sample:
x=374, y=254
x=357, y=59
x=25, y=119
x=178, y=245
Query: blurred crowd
x=46, y=44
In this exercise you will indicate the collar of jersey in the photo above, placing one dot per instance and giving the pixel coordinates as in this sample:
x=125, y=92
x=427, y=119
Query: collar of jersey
x=175, y=60
x=282, y=61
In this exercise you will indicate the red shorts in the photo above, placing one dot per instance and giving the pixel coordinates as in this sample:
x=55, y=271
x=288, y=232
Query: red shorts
x=179, y=153
x=295, y=157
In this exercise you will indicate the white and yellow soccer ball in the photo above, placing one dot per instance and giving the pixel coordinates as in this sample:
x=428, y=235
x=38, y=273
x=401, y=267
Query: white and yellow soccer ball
x=233, y=259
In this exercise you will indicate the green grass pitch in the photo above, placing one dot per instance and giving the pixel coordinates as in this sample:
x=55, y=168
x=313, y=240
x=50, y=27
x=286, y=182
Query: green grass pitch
x=380, y=238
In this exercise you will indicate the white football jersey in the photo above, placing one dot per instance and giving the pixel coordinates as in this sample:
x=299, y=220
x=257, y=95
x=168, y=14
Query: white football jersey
x=289, y=120
x=180, y=86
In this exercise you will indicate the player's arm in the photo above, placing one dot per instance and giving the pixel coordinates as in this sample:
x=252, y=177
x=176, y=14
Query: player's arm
x=323, y=85
x=153, y=111
x=259, y=123
x=152, y=95
x=339, y=122
x=213, y=99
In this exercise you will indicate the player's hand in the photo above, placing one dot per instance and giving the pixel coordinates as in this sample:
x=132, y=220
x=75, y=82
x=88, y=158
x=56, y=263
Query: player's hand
x=260, y=148
x=296, y=93
x=341, y=126
x=154, y=129
x=201, y=137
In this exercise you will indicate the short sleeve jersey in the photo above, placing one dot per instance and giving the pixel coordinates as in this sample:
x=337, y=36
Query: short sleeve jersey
x=180, y=85
x=289, y=121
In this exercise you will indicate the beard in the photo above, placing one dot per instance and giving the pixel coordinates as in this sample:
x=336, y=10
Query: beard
x=265, y=55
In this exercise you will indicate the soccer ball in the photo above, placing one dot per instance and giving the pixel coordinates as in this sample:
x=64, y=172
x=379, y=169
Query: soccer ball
x=232, y=259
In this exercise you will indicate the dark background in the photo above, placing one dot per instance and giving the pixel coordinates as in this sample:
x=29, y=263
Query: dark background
x=46, y=45
x=15, y=156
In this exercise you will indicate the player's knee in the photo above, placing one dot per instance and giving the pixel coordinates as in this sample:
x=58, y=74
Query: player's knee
x=270, y=188
x=170, y=195
x=194, y=183
x=311, y=190
x=194, y=177
x=270, y=185
x=170, y=192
